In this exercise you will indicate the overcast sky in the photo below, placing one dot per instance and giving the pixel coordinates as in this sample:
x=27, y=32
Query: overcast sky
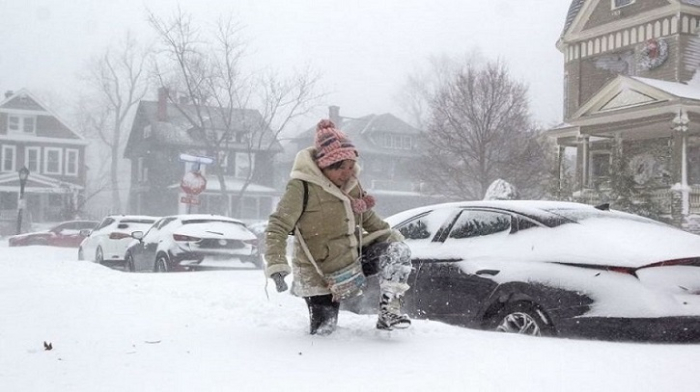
x=364, y=49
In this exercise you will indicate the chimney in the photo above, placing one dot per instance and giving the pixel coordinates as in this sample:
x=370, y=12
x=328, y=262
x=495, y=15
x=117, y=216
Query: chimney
x=334, y=115
x=162, y=114
x=9, y=93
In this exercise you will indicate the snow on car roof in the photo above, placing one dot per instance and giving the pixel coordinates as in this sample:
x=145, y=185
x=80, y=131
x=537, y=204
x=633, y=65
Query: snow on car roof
x=190, y=217
x=527, y=207
x=134, y=216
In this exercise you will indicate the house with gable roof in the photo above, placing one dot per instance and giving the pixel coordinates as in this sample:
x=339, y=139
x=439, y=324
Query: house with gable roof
x=33, y=136
x=389, y=151
x=632, y=100
x=161, y=133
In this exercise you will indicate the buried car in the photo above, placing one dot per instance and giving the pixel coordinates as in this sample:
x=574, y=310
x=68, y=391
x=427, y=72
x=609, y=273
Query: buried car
x=107, y=243
x=65, y=234
x=550, y=268
x=192, y=241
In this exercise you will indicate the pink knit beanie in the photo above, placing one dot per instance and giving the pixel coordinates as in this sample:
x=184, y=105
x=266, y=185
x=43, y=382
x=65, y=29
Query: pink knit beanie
x=332, y=145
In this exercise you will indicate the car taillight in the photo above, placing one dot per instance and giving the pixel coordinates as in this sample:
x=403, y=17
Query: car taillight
x=118, y=236
x=185, y=238
x=623, y=270
x=691, y=261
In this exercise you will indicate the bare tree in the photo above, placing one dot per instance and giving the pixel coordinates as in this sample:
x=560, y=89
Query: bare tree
x=416, y=94
x=479, y=130
x=116, y=81
x=232, y=110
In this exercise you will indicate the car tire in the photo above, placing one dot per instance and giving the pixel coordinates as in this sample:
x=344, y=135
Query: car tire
x=81, y=256
x=522, y=317
x=99, y=255
x=161, y=264
x=129, y=263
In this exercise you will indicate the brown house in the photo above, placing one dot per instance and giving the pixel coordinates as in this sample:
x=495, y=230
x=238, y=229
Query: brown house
x=32, y=136
x=389, y=152
x=632, y=100
x=162, y=132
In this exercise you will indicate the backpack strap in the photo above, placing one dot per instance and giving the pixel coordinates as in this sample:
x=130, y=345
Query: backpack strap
x=304, y=203
x=306, y=196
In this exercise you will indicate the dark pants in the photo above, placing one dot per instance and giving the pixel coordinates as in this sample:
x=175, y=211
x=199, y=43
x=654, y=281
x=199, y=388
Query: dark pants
x=371, y=258
x=323, y=314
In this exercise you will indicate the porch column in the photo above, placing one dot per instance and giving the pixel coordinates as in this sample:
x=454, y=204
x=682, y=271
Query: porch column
x=680, y=166
x=584, y=161
x=617, y=151
x=561, y=150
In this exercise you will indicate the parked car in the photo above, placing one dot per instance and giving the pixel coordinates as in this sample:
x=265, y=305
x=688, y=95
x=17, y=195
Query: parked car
x=65, y=234
x=193, y=241
x=550, y=268
x=107, y=242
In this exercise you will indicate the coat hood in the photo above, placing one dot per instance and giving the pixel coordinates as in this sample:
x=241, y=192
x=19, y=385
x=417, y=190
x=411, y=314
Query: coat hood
x=305, y=168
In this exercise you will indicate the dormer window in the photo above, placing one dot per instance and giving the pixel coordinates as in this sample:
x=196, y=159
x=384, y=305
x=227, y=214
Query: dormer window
x=242, y=137
x=394, y=141
x=621, y=3
x=18, y=124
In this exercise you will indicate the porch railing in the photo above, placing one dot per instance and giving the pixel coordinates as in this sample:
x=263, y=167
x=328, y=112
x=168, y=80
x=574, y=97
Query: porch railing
x=662, y=197
x=694, y=199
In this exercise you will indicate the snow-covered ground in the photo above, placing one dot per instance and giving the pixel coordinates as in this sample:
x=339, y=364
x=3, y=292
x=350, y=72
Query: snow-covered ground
x=217, y=331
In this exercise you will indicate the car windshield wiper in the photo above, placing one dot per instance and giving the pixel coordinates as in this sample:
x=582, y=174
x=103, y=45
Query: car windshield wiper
x=214, y=232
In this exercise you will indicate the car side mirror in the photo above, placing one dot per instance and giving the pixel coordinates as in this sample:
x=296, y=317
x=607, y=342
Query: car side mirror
x=138, y=234
x=85, y=232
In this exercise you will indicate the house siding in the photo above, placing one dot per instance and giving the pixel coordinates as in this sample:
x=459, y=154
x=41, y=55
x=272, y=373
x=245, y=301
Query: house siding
x=50, y=196
x=604, y=14
x=159, y=152
x=592, y=63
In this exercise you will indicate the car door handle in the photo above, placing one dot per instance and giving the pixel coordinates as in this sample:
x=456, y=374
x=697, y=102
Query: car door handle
x=488, y=272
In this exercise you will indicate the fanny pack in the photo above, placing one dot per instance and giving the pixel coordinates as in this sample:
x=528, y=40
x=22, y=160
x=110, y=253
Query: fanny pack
x=346, y=282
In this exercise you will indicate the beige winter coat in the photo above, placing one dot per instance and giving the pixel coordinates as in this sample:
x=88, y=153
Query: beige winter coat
x=328, y=225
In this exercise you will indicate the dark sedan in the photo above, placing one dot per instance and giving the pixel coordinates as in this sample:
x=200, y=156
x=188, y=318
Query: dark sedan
x=65, y=234
x=550, y=268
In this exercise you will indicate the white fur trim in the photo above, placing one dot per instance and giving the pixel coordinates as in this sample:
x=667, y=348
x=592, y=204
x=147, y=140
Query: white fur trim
x=272, y=269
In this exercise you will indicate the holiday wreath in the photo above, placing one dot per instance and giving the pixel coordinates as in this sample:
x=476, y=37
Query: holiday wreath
x=654, y=53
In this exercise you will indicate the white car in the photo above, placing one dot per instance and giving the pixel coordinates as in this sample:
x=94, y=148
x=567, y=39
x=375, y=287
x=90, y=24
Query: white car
x=193, y=242
x=107, y=243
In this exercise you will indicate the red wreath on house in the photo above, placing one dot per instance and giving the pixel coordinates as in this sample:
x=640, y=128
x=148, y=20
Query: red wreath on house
x=654, y=53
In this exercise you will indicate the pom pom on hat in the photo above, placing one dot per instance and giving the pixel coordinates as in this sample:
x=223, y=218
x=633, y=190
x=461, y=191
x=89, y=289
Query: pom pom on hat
x=363, y=205
x=332, y=145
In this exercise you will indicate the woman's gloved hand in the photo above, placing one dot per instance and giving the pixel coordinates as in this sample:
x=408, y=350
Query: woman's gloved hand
x=280, y=284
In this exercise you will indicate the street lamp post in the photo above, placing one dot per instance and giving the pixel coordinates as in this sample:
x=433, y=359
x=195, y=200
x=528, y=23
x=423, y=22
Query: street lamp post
x=23, y=175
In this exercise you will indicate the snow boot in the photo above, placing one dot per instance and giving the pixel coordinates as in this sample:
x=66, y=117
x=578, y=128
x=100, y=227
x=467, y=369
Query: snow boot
x=323, y=314
x=390, y=316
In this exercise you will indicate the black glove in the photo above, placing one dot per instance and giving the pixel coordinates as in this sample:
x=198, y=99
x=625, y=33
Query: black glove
x=280, y=284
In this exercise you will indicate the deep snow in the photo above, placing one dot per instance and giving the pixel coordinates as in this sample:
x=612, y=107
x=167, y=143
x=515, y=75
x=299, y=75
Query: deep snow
x=217, y=331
